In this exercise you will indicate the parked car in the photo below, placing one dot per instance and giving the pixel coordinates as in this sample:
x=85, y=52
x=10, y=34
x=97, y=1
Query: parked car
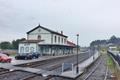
x=4, y=58
x=27, y=56
x=23, y=56
x=4, y=53
x=35, y=55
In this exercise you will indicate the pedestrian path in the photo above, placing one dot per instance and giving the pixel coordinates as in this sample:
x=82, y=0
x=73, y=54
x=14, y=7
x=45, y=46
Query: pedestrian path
x=42, y=58
x=19, y=62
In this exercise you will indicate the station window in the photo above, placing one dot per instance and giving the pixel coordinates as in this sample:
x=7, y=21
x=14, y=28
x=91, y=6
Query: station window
x=21, y=49
x=39, y=37
x=58, y=39
x=62, y=40
x=32, y=49
x=55, y=39
x=27, y=49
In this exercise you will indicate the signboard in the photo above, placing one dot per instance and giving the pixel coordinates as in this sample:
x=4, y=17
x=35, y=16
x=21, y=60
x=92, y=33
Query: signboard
x=67, y=67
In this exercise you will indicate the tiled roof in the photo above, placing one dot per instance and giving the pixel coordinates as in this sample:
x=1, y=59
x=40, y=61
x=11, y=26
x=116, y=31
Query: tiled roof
x=69, y=43
x=39, y=26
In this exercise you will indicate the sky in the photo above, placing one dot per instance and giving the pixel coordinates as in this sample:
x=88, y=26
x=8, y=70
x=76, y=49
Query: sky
x=91, y=19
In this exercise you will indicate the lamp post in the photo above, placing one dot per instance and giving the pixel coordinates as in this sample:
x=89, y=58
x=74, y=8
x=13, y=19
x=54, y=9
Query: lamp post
x=77, y=68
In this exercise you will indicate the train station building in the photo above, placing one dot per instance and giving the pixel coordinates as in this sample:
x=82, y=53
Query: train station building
x=46, y=42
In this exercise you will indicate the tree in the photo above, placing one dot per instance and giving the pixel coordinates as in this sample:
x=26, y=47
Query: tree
x=114, y=40
x=15, y=43
x=5, y=45
x=98, y=42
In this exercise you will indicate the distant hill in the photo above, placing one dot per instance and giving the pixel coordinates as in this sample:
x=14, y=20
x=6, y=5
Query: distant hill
x=113, y=40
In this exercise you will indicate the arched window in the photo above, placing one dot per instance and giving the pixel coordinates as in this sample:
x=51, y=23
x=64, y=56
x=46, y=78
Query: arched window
x=21, y=49
x=32, y=49
x=55, y=39
x=39, y=37
x=62, y=40
x=58, y=39
x=27, y=49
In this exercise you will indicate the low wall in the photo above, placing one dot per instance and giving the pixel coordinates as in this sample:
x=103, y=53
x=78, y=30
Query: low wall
x=115, y=58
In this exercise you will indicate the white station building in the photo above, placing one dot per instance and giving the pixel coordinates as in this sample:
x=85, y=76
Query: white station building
x=46, y=42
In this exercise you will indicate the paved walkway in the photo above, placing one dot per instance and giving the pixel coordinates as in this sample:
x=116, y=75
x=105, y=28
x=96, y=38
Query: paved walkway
x=18, y=62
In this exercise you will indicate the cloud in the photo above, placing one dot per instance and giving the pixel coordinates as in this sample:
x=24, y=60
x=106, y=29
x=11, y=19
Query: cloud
x=92, y=19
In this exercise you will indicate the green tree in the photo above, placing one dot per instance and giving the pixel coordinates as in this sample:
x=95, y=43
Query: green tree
x=5, y=45
x=15, y=43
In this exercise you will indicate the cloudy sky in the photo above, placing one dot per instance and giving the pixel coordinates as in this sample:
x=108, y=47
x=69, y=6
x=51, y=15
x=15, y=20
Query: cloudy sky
x=92, y=19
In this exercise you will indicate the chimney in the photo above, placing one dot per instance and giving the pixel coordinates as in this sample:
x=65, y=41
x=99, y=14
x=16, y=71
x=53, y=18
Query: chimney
x=61, y=32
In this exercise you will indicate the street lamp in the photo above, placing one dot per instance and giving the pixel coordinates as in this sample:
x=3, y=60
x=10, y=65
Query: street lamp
x=77, y=68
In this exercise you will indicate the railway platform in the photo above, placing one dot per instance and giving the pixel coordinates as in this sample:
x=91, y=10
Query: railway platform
x=82, y=66
x=42, y=58
x=68, y=74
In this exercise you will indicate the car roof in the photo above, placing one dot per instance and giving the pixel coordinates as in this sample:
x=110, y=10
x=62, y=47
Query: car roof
x=1, y=54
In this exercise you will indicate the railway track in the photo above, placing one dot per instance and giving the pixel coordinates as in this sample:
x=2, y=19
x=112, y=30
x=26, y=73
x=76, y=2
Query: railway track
x=54, y=65
x=92, y=72
x=14, y=75
x=3, y=71
x=58, y=63
x=97, y=71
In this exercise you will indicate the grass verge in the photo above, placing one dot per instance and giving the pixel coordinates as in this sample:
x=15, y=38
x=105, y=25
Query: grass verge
x=113, y=67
